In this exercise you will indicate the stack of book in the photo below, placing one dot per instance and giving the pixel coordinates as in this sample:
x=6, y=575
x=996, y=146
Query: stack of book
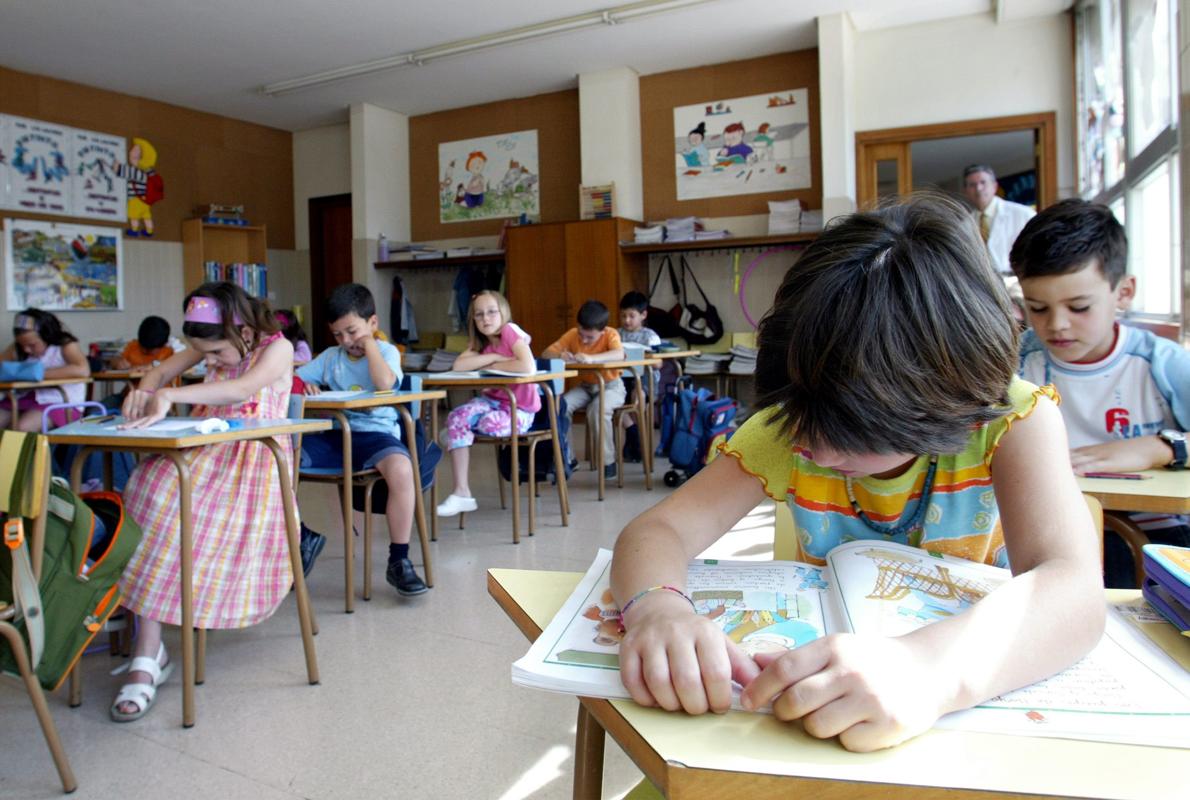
x=707, y=363
x=680, y=229
x=652, y=234
x=784, y=216
x=442, y=360
x=407, y=251
x=700, y=236
x=416, y=360
x=743, y=360
x=252, y=278
x=217, y=214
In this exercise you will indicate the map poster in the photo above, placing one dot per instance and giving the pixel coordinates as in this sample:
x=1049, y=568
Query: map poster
x=63, y=267
x=99, y=193
x=39, y=166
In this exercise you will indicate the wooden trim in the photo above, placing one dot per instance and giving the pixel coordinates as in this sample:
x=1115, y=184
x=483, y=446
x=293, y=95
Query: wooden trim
x=1045, y=123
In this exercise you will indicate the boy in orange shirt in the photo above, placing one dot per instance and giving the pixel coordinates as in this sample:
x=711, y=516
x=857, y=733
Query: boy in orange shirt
x=151, y=345
x=593, y=342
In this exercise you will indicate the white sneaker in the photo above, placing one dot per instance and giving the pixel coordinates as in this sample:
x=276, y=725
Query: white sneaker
x=456, y=504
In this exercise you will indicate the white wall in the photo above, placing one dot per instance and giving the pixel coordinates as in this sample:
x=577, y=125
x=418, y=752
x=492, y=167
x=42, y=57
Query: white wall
x=837, y=90
x=321, y=167
x=969, y=68
x=609, y=136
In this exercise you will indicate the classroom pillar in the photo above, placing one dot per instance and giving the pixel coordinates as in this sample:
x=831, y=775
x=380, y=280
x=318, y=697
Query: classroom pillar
x=379, y=189
x=836, y=106
x=609, y=136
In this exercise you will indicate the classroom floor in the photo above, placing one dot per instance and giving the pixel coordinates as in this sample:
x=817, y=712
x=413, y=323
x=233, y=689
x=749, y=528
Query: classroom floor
x=415, y=698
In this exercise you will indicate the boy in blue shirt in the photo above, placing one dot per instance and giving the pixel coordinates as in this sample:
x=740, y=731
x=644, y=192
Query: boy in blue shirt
x=362, y=362
x=1125, y=392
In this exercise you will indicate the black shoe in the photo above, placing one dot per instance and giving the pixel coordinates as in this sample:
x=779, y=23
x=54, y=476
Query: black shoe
x=311, y=545
x=401, y=575
x=609, y=472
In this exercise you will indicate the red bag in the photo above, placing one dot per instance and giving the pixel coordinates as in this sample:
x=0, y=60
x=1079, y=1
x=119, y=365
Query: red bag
x=154, y=189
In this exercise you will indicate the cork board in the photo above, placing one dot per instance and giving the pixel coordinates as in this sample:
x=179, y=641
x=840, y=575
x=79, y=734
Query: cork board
x=555, y=118
x=661, y=93
x=202, y=158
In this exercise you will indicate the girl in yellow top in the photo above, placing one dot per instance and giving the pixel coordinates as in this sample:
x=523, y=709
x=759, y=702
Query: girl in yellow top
x=888, y=410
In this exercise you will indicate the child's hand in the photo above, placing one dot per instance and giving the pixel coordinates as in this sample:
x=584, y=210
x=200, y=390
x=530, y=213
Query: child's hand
x=134, y=403
x=870, y=691
x=1125, y=455
x=311, y=389
x=151, y=410
x=673, y=658
x=582, y=358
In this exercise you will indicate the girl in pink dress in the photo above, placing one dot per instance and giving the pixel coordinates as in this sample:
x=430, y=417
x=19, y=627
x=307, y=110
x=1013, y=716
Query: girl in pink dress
x=241, y=564
x=496, y=343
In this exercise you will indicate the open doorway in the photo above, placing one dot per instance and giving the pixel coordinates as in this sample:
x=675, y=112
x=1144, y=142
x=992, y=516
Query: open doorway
x=1021, y=149
x=330, y=259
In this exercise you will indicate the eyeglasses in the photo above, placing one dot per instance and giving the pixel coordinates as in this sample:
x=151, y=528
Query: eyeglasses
x=491, y=312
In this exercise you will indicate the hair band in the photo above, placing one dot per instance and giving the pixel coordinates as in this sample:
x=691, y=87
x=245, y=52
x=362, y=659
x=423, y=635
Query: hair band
x=24, y=322
x=205, y=309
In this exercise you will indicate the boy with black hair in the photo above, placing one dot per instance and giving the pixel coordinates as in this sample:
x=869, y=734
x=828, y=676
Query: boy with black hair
x=151, y=345
x=1125, y=392
x=634, y=311
x=363, y=362
x=593, y=342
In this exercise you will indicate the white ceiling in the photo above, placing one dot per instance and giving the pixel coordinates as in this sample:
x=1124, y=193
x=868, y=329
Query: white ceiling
x=216, y=54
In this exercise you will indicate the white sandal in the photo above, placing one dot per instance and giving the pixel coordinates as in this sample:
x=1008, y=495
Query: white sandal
x=141, y=695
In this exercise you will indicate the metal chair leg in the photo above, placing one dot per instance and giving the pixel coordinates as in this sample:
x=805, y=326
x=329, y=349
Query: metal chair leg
x=17, y=645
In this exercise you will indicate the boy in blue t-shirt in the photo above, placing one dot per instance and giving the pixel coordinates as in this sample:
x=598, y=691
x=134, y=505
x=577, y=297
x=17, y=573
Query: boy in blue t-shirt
x=362, y=362
x=1125, y=392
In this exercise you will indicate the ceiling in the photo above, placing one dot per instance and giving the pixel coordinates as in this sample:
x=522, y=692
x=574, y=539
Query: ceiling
x=214, y=56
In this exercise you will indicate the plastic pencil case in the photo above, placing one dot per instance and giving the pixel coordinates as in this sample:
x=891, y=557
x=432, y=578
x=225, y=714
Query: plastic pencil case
x=1167, y=582
x=30, y=370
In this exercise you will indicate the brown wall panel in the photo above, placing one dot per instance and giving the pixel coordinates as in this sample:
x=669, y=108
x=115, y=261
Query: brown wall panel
x=555, y=118
x=202, y=158
x=661, y=93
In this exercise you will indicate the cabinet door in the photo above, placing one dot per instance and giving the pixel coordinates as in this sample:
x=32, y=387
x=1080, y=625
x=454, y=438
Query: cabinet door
x=535, y=278
x=592, y=264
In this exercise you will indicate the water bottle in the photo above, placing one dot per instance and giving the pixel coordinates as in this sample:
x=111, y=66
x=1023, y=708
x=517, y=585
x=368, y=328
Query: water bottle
x=382, y=248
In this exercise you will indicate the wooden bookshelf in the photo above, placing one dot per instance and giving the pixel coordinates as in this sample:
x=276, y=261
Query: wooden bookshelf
x=731, y=242
x=227, y=244
x=454, y=261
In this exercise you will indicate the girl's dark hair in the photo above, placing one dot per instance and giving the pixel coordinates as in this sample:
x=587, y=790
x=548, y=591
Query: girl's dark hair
x=891, y=334
x=45, y=325
x=233, y=302
x=290, y=326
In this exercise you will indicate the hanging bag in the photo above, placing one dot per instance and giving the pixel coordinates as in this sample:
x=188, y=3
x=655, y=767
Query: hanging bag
x=664, y=322
x=698, y=325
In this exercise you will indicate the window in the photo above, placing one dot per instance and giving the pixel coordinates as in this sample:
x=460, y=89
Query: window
x=1126, y=89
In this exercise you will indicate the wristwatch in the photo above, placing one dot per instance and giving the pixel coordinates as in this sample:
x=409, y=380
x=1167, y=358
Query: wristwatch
x=1177, y=442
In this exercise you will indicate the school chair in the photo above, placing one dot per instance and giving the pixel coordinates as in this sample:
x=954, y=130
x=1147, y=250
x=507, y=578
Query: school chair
x=539, y=431
x=366, y=480
x=1132, y=535
x=24, y=492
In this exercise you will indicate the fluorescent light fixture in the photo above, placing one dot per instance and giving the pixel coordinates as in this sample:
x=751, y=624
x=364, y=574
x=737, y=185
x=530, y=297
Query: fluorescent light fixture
x=607, y=16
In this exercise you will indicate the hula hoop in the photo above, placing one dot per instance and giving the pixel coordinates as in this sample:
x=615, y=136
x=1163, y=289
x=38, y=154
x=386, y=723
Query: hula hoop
x=748, y=272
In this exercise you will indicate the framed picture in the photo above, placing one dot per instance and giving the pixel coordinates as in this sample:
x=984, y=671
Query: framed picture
x=490, y=176
x=63, y=267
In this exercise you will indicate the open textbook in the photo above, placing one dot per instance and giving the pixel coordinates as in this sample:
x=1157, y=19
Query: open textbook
x=483, y=373
x=1126, y=690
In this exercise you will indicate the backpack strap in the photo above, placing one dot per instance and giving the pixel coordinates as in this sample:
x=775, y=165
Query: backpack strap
x=26, y=598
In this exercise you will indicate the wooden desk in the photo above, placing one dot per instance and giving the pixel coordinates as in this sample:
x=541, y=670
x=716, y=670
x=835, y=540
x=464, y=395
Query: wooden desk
x=1166, y=491
x=677, y=356
x=173, y=445
x=338, y=409
x=644, y=410
x=753, y=755
x=505, y=383
x=13, y=388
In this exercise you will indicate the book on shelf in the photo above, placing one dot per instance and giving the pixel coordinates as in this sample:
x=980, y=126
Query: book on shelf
x=252, y=278
x=1125, y=690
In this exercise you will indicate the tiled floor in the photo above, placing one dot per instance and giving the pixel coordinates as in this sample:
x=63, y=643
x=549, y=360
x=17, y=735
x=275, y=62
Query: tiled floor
x=415, y=699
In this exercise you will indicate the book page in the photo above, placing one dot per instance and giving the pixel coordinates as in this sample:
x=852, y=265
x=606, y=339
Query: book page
x=763, y=606
x=338, y=395
x=455, y=374
x=507, y=373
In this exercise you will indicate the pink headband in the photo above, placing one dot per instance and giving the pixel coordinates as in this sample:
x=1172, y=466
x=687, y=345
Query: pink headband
x=205, y=309
x=24, y=322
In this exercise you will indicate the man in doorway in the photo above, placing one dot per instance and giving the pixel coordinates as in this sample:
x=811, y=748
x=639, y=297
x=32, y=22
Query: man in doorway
x=1000, y=220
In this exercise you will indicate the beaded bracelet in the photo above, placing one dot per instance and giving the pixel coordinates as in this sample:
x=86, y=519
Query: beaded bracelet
x=651, y=589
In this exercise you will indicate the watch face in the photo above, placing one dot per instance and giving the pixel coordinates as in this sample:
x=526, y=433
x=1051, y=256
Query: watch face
x=1173, y=436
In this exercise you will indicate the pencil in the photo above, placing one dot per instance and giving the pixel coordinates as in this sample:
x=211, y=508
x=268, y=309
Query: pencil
x=1124, y=476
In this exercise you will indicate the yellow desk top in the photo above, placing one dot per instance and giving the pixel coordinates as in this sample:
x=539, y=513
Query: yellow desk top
x=48, y=383
x=91, y=433
x=436, y=379
x=313, y=402
x=1165, y=491
x=741, y=742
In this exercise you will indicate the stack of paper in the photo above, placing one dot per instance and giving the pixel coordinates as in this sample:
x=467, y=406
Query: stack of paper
x=707, y=363
x=743, y=360
x=679, y=229
x=812, y=219
x=442, y=360
x=416, y=360
x=705, y=235
x=653, y=234
x=784, y=216
x=423, y=255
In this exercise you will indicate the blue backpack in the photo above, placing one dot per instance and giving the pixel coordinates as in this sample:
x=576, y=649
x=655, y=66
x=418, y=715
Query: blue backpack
x=698, y=417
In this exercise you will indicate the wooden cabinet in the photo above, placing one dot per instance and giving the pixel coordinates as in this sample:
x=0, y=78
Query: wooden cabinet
x=227, y=244
x=552, y=268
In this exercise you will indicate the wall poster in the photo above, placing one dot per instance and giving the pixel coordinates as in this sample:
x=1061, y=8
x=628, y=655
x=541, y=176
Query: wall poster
x=63, y=267
x=489, y=176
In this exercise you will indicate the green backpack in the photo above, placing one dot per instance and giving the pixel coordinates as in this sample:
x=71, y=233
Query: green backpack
x=79, y=582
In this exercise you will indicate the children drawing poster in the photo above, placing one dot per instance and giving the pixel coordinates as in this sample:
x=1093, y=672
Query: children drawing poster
x=99, y=192
x=744, y=145
x=63, y=267
x=490, y=176
x=39, y=166
x=5, y=165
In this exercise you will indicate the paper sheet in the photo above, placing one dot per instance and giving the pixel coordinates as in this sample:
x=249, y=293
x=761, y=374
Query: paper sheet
x=337, y=395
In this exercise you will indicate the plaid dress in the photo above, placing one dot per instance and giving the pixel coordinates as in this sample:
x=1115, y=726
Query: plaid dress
x=241, y=561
